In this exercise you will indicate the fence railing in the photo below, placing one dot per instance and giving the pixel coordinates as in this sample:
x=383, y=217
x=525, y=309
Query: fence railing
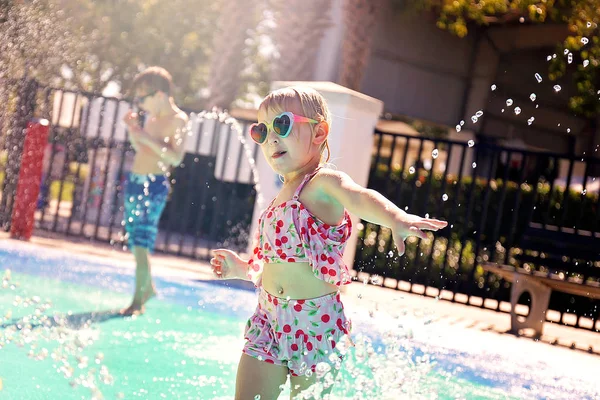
x=88, y=157
x=489, y=195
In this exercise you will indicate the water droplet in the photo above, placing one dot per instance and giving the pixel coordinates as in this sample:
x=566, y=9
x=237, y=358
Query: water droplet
x=435, y=153
x=570, y=58
x=458, y=128
x=471, y=143
x=257, y=397
x=586, y=63
x=502, y=110
x=548, y=58
x=538, y=77
x=517, y=110
x=445, y=197
x=584, y=192
x=509, y=102
x=493, y=87
x=530, y=121
x=566, y=52
x=479, y=114
x=585, y=40
x=589, y=24
x=557, y=88
x=474, y=164
x=532, y=96
x=568, y=130
x=474, y=119
x=462, y=122
x=411, y=170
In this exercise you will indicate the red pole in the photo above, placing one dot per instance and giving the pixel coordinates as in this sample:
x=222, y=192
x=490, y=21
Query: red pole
x=30, y=177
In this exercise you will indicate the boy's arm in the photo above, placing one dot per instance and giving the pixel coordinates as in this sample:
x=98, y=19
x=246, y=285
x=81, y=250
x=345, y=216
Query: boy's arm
x=374, y=207
x=171, y=149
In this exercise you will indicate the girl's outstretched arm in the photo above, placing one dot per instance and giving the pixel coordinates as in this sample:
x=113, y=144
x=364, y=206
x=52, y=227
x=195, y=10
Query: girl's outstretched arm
x=371, y=206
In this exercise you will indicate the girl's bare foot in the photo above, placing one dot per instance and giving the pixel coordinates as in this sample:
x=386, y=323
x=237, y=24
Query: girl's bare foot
x=133, y=309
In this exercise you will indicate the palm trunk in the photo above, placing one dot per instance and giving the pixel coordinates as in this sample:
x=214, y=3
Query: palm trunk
x=300, y=26
x=237, y=17
x=360, y=17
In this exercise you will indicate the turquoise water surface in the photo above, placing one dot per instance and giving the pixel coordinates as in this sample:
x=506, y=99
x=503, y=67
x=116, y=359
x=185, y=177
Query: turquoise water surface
x=61, y=338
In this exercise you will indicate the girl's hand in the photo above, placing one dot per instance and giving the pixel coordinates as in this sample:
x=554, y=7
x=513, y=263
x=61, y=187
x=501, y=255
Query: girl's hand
x=413, y=225
x=227, y=264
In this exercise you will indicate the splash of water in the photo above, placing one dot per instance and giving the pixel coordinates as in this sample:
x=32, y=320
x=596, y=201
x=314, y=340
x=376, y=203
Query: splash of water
x=54, y=338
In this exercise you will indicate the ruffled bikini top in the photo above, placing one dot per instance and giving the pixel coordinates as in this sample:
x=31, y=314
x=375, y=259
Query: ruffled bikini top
x=289, y=232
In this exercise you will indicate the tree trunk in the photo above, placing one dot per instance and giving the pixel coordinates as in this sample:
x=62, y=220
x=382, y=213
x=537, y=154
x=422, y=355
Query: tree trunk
x=360, y=17
x=237, y=17
x=300, y=26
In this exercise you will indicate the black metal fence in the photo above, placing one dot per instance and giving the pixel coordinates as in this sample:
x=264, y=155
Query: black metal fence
x=87, y=159
x=489, y=195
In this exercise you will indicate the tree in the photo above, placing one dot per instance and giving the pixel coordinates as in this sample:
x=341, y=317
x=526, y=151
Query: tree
x=118, y=38
x=579, y=53
x=32, y=40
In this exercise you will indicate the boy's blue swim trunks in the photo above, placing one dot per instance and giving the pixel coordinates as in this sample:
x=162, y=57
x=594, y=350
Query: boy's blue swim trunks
x=145, y=198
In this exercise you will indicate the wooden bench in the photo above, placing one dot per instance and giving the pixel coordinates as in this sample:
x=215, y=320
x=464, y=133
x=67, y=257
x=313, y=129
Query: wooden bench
x=562, y=253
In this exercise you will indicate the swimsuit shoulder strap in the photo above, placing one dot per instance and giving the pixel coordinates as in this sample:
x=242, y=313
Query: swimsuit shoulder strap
x=306, y=179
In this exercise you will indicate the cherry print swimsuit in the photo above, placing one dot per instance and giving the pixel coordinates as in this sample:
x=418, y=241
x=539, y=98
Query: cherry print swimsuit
x=299, y=334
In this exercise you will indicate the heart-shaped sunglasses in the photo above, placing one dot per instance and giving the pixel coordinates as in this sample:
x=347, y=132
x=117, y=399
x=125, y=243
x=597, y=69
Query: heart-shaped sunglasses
x=282, y=125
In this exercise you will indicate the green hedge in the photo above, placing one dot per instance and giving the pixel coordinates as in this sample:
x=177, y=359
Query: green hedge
x=581, y=209
x=449, y=259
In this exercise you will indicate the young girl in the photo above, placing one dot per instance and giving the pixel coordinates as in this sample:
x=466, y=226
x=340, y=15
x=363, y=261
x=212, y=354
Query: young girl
x=297, y=258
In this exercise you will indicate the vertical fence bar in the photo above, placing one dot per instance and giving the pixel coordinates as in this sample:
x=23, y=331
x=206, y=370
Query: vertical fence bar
x=511, y=240
x=398, y=195
x=95, y=142
x=586, y=174
x=205, y=189
x=420, y=270
x=440, y=211
x=597, y=221
x=85, y=120
x=498, y=222
x=483, y=218
x=52, y=140
x=111, y=142
x=414, y=192
x=564, y=207
x=546, y=214
x=116, y=208
x=360, y=256
x=189, y=191
x=232, y=198
x=471, y=195
x=65, y=164
x=378, y=229
x=219, y=183
x=453, y=217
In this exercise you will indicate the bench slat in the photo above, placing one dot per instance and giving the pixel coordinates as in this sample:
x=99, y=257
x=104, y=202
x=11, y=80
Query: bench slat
x=509, y=273
x=559, y=246
x=556, y=264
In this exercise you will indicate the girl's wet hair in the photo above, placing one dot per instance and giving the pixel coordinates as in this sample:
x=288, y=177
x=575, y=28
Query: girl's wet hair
x=313, y=105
